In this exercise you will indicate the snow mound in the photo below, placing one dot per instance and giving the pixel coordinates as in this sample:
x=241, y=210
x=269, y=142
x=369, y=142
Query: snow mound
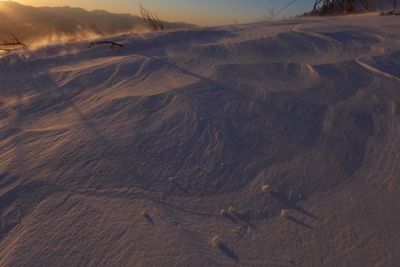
x=183, y=123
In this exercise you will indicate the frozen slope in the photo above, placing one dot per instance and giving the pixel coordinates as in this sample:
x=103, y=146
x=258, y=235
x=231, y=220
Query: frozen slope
x=125, y=157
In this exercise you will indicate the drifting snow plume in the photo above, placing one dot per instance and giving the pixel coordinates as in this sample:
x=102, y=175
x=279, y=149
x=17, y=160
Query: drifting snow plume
x=45, y=25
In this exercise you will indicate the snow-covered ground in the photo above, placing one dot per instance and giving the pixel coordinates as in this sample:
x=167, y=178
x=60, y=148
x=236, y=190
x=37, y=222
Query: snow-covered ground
x=113, y=157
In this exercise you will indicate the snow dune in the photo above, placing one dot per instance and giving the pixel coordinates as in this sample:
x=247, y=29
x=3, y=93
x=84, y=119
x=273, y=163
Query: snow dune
x=184, y=123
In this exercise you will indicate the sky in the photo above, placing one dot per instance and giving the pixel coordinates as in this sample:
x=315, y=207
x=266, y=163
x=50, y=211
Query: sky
x=201, y=12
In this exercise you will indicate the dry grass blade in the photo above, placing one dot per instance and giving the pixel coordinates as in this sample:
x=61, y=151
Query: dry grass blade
x=331, y=7
x=151, y=20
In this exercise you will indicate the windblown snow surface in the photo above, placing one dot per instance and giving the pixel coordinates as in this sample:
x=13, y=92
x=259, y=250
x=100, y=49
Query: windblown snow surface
x=126, y=157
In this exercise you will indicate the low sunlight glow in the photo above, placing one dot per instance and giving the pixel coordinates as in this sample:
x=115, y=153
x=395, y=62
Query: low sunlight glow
x=205, y=12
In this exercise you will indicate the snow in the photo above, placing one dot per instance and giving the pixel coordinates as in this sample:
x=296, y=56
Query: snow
x=182, y=124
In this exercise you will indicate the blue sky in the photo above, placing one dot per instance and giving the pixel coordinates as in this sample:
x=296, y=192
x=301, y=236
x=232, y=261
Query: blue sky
x=206, y=12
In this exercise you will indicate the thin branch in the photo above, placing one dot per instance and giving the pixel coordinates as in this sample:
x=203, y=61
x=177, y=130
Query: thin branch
x=15, y=45
x=112, y=44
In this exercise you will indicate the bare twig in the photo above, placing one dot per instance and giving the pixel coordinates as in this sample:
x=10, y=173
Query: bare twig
x=11, y=46
x=112, y=44
x=151, y=20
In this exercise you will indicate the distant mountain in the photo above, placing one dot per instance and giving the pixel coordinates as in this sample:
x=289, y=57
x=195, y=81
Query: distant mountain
x=60, y=23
